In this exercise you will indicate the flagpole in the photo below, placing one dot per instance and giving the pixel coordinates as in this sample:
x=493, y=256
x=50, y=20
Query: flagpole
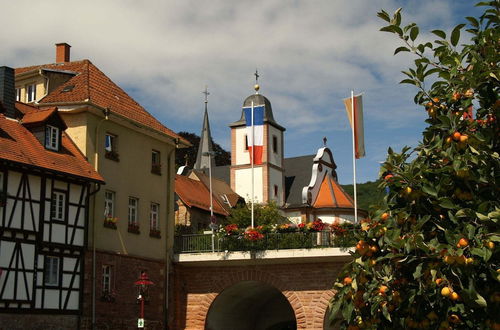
x=252, y=161
x=354, y=158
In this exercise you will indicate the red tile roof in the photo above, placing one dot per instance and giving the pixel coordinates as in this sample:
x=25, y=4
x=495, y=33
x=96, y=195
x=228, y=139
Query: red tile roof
x=92, y=85
x=194, y=193
x=19, y=145
x=37, y=116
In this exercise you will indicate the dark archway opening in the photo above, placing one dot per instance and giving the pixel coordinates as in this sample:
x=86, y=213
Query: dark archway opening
x=251, y=305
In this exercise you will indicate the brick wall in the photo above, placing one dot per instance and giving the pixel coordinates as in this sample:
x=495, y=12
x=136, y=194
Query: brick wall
x=122, y=311
x=38, y=321
x=307, y=287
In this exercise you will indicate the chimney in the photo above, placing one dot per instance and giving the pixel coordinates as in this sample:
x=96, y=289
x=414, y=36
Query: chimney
x=7, y=91
x=62, y=52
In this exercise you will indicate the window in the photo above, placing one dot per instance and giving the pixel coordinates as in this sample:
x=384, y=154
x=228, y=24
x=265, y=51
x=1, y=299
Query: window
x=58, y=206
x=155, y=162
x=31, y=93
x=106, y=278
x=109, y=204
x=246, y=142
x=51, y=270
x=275, y=144
x=52, y=137
x=18, y=94
x=275, y=191
x=132, y=210
x=154, y=229
x=110, y=146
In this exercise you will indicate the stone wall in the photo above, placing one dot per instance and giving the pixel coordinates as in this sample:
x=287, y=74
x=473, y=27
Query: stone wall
x=38, y=321
x=307, y=287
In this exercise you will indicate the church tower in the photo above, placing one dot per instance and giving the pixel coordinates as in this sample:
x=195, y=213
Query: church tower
x=205, y=157
x=268, y=176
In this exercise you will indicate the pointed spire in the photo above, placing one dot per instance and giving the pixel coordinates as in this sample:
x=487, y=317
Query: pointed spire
x=205, y=147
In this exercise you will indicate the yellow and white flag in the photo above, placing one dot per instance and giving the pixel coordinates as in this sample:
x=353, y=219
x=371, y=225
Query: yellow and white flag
x=357, y=126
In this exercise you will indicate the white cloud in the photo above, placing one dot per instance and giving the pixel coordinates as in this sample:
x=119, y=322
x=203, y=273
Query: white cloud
x=310, y=55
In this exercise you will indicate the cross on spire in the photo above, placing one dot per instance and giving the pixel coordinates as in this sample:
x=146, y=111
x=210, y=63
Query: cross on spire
x=324, y=141
x=256, y=74
x=206, y=94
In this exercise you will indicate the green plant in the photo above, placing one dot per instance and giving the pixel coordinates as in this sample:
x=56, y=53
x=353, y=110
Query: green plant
x=427, y=258
x=264, y=214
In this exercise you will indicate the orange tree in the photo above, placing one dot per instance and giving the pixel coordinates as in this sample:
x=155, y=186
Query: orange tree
x=429, y=258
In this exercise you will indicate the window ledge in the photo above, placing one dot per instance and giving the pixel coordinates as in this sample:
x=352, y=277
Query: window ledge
x=112, y=155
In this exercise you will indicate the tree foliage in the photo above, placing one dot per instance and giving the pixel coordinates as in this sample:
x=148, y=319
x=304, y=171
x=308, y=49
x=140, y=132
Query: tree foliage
x=222, y=157
x=429, y=257
x=264, y=214
x=368, y=193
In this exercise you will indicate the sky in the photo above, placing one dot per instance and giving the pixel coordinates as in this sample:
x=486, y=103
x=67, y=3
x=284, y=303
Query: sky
x=309, y=55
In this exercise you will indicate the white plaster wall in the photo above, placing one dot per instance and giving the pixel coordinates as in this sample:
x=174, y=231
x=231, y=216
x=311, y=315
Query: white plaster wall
x=242, y=155
x=276, y=178
x=275, y=158
x=243, y=179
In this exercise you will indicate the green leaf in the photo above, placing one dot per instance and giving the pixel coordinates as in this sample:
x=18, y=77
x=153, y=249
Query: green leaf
x=439, y=33
x=418, y=272
x=446, y=203
x=414, y=33
x=384, y=15
x=347, y=311
x=408, y=81
x=455, y=34
x=401, y=49
x=482, y=217
x=429, y=190
x=473, y=21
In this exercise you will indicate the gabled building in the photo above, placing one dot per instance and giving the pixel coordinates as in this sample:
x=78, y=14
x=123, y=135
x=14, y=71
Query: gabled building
x=132, y=217
x=45, y=186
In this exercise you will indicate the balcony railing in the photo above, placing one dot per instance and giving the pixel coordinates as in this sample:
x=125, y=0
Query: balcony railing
x=196, y=243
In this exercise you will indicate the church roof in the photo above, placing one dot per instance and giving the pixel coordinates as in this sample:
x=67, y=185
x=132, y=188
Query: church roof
x=258, y=99
x=202, y=158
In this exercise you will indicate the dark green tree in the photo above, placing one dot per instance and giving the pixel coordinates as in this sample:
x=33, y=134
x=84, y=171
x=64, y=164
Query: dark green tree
x=222, y=157
x=429, y=257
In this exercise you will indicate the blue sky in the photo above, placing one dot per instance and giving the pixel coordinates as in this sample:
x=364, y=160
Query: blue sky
x=310, y=54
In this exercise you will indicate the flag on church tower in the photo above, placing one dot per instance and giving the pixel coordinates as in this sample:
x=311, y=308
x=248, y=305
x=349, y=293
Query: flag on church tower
x=357, y=126
x=255, y=132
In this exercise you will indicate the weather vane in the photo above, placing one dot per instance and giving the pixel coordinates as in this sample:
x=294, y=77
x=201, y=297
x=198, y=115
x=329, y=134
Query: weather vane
x=324, y=141
x=256, y=87
x=206, y=94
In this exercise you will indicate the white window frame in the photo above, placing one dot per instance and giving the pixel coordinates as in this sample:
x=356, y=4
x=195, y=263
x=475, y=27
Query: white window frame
x=109, y=203
x=107, y=274
x=153, y=216
x=51, y=270
x=58, y=206
x=18, y=94
x=31, y=93
x=133, y=208
x=52, y=137
x=110, y=142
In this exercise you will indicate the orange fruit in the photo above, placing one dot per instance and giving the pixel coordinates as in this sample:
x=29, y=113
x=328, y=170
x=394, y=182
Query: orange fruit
x=456, y=136
x=347, y=280
x=463, y=242
x=439, y=281
x=384, y=216
x=463, y=138
x=382, y=289
x=446, y=291
x=454, y=296
x=490, y=245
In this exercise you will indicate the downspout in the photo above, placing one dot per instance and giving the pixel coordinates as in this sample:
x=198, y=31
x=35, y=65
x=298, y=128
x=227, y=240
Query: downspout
x=96, y=167
x=168, y=252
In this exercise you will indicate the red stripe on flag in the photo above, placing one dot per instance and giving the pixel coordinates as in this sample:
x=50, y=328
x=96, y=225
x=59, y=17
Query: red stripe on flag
x=256, y=154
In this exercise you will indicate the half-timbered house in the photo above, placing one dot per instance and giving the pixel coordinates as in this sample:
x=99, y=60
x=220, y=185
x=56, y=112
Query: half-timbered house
x=45, y=184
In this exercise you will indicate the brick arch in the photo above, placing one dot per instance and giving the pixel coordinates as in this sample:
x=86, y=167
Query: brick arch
x=229, y=279
x=322, y=306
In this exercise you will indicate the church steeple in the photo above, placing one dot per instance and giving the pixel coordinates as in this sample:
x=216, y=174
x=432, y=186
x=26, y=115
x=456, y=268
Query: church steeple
x=202, y=158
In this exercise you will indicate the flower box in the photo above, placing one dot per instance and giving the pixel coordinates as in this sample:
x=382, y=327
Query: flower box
x=154, y=233
x=110, y=222
x=156, y=169
x=108, y=296
x=133, y=228
x=113, y=155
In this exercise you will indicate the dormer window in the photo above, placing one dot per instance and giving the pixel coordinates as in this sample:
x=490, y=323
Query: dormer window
x=51, y=137
x=31, y=93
